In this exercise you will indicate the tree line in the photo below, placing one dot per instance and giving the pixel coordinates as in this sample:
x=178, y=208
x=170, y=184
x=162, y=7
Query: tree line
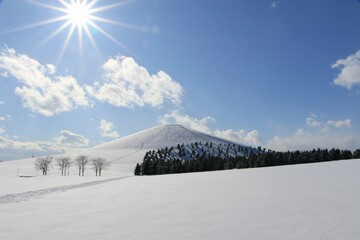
x=64, y=163
x=165, y=161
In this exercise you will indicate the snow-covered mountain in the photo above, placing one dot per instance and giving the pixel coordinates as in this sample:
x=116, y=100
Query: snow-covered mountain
x=125, y=152
x=160, y=137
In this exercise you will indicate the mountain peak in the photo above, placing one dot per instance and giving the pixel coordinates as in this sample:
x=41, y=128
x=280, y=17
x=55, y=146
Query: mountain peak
x=160, y=136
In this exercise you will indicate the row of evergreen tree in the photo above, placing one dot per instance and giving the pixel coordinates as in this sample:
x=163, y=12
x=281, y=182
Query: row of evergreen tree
x=163, y=162
x=192, y=151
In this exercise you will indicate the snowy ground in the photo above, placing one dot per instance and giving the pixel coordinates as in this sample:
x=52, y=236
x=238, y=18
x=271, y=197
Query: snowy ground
x=310, y=201
x=20, y=175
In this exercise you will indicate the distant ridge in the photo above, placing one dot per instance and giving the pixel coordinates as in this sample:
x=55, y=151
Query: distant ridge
x=160, y=137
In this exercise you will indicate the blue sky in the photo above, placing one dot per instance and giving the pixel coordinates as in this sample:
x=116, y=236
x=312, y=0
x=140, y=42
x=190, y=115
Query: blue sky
x=280, y=74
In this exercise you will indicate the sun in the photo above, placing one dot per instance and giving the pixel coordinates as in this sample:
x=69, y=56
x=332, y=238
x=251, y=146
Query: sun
x=78, y=13
x=79, y=16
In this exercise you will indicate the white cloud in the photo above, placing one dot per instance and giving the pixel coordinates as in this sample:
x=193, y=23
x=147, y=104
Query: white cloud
x=302, y=140
x=201, y=124
x=107, y=129
x=66, y=142
x=2, y=103
x=40, y=91
x=2, y=130
x=349, y=71
x=4, y=118
x=37, y=146
x=322, y=136
x=4, y=74
x=51, y=68
x=128, y=84
x=340, y=124
x=187, y=121
x=312, y=122
x=70, y=139
x=274, y=4
x=252, y=138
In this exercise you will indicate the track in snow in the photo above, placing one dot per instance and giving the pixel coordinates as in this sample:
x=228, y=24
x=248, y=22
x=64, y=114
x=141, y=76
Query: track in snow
x=36, y=194
x=129, y=154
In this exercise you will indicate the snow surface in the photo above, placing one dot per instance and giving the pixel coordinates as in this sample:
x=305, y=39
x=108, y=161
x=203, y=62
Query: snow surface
x=309, y=201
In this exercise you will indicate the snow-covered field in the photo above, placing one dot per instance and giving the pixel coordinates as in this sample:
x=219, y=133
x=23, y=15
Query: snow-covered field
x=310, y=201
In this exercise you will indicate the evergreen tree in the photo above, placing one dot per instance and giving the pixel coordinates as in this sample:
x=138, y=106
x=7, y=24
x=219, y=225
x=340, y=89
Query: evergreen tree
x=137, y=170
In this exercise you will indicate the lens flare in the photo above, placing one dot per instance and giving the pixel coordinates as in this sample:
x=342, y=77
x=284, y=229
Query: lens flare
x=79, y=16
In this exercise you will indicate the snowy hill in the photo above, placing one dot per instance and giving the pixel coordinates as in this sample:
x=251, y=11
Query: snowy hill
x=125, y=152
x=160, y=137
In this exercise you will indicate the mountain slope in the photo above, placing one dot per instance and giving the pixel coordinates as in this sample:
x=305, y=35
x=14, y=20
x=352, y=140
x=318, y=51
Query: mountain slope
x=160, y=137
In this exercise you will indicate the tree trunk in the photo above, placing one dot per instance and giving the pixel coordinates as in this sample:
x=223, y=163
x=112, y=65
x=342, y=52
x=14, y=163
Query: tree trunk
x=79, y=171
x=99, y=172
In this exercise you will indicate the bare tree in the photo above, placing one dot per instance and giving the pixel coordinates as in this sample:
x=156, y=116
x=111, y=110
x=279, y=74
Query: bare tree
x=68, y=167
x=99, y=164
x=63, y=163
x=43, y=164
x=81, y=161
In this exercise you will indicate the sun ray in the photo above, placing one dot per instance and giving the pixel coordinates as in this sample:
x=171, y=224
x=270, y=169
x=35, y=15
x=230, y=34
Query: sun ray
x=65, y=4
x=92, y=40
x=34, y=25
x=106, y=34
x=66, y=43
x=78, y=15
x=48, y=6
x=56, y=32
x=105, y=20
x=103, y=8
x=90, y=4
x=80, y=41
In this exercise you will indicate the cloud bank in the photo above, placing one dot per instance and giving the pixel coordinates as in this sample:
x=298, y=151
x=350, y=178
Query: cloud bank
x=319, y=135
x=252, y=138
x=41, y=91
x=127, y=84
x=187, y=121
x=302, y=140
x=66, y=142
x=124, y=83
x=349, y=67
